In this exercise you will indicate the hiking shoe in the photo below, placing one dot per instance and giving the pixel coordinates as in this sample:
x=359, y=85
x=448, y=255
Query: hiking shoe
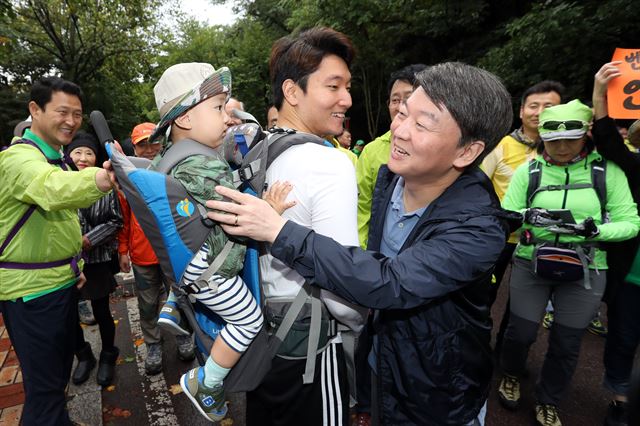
x=509, y=392
x=597, y=327
x=85, y=313
x=616, y=414
x=547, y=321
x=186, y=350
x=210, y=402
x=171, y=320
x=153, y=362
x=547, y=415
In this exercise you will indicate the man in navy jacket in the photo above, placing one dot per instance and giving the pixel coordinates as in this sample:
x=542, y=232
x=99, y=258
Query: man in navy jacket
x=436, y=233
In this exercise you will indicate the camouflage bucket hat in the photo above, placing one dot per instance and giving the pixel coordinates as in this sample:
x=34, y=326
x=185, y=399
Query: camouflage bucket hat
x=183, y=86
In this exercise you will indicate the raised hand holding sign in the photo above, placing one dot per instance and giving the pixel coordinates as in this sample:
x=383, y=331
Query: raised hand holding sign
x=623, y=93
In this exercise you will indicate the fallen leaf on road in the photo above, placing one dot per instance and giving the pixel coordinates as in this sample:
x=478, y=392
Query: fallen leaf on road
x=110, y=413
x=110, y=388
x=138, y=342
x=175, y=389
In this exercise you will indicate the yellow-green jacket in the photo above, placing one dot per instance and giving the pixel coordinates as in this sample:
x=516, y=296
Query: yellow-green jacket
x=374, y=154
x=53, y=230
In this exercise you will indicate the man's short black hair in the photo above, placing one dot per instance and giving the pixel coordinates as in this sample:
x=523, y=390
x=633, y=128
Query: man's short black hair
x=295, y=57
x=545, y=86
x=42, y=90
x=407, y=74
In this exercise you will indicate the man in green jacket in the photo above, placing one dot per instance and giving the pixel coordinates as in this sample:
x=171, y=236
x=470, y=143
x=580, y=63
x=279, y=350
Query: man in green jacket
x=40, y=243
x=376, y=153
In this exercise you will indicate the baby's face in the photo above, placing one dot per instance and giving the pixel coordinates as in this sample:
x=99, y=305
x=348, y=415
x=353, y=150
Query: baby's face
x=209, y=121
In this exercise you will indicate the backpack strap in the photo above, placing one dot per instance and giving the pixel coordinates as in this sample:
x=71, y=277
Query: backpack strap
x=203, y=281
x=181, y=151
x=599, y=181
x=535, y=175
x=260, y=156
x=64, y=163
x=17, y=227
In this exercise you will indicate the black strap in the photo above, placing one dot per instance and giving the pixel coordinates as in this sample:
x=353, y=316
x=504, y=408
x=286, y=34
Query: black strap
x=598, y=183
x=17, y=227
x=27, y=214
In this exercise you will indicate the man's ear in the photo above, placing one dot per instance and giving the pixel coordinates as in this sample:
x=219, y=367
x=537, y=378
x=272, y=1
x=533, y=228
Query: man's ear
x=183, y=121
x=468, y=154
x=34, y=109
x=290, y=91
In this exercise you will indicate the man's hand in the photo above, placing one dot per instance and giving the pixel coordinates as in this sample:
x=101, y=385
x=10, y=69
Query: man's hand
x=125, y=263
x=82, y=280
x=246, y=215
x=540, y=217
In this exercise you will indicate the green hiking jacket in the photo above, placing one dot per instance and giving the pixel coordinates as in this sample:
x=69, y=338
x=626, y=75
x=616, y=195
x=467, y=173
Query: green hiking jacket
x=624, y=221
x=53, y=230
x=375, y=154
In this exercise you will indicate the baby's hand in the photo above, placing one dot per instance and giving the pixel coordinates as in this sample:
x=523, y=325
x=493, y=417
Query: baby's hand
x=276, y=195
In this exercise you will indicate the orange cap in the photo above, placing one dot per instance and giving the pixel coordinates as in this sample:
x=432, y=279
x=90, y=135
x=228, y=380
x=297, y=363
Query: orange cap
x=142, y=132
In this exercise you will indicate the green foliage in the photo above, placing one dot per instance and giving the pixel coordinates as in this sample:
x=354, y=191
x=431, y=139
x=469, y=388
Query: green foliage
x=104, y=46
x=563, y=41
x=243, y=47
x=118, y=49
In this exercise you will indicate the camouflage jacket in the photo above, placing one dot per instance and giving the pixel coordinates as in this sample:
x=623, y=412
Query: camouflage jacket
x=200, y=174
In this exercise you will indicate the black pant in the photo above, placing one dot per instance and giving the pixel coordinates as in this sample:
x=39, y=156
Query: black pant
x=42, y=332
x=623, y=338
x=283, y=400
x=103, y=317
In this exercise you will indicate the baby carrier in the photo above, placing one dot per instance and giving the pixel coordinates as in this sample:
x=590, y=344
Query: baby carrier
x=176, y=226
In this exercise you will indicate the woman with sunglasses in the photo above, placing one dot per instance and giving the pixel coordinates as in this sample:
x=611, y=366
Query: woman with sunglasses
x=571, y=199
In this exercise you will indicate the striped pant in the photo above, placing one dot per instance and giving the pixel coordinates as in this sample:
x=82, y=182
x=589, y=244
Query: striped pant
x=232, y=301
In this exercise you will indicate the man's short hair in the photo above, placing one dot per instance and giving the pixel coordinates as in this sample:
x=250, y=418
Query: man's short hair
x=407, y=74
x=295, y=57
x=476, y=99
x=42, y=90
x=545, y=86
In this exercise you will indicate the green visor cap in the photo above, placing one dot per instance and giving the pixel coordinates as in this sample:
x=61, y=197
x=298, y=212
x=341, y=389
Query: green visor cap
x=565, y=121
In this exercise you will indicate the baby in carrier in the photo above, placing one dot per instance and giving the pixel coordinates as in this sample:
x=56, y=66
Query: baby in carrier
x=191, y=99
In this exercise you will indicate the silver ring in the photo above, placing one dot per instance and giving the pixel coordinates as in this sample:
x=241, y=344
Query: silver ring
x=236, y=222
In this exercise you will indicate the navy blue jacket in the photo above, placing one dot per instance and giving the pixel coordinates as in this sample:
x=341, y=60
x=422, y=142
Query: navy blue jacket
x=433, y=324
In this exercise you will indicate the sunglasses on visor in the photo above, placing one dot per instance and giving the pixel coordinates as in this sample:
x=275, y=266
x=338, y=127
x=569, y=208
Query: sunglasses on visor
x=565, y=125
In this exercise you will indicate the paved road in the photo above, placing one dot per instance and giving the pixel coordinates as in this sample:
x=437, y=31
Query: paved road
x=140, y=400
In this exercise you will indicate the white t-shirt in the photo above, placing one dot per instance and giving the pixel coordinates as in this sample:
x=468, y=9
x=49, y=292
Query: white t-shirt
x=324, y=188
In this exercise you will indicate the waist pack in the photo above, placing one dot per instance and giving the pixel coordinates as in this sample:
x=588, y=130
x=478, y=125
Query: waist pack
x=296, y=342
x=563, y=264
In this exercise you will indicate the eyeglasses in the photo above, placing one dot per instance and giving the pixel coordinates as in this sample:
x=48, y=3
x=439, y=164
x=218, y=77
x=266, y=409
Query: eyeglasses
x=564, y=125
x=147, y=144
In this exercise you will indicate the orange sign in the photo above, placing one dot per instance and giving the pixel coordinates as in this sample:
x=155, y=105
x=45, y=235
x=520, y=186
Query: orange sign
x=623, y=93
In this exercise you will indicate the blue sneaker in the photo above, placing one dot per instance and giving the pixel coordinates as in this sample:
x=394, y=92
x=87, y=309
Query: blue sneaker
x=171, y=320
x=210, y=402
